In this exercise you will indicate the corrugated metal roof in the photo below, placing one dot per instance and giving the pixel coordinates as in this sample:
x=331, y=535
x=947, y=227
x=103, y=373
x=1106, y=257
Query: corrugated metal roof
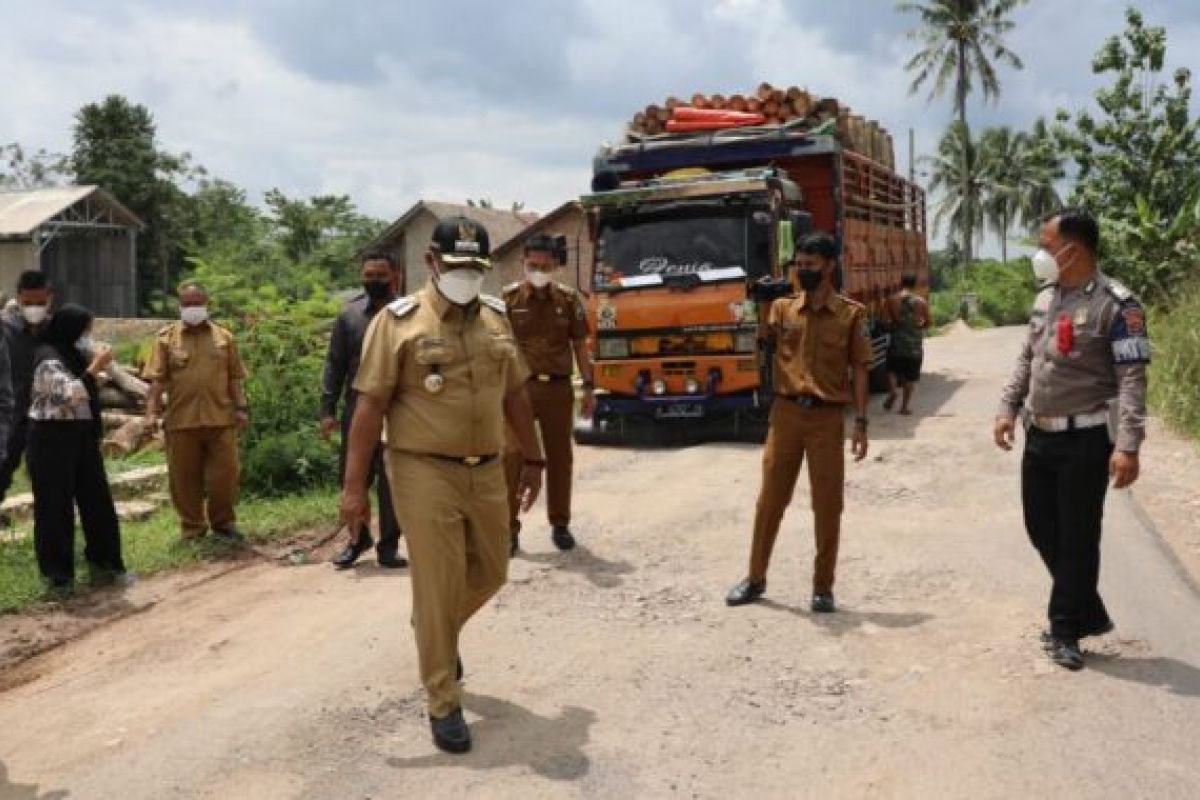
x=21, y=212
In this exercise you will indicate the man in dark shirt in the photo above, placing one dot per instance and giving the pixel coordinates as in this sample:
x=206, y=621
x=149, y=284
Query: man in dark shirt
x=21, y=326
x=380, y=281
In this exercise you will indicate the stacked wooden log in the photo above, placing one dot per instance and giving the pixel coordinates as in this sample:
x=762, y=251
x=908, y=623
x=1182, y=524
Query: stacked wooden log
x=793, y=106
x=123, y=402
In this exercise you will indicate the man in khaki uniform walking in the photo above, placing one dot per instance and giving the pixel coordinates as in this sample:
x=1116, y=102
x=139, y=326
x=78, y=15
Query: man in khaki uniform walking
x=819, y=337
x=197, y=363
x=442, y=369
x=550, y=324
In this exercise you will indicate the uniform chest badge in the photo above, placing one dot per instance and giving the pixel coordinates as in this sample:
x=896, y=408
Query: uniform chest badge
x=434, y=382
x=1081, y=317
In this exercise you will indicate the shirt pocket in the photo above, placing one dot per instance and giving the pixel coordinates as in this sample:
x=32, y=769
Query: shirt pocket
x=499, y=352
x=179, y=358
x=833, y=350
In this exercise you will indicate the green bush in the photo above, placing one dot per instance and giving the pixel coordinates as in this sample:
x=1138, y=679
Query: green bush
x=1175, y=372
x=1004, y=294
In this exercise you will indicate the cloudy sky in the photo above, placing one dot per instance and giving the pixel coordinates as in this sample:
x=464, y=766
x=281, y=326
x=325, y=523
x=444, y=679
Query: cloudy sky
x=447, y=99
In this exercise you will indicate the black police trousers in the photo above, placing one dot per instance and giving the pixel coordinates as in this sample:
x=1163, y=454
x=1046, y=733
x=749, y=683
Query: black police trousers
x=389, y=528
x=1064, y=478
x=67, y=471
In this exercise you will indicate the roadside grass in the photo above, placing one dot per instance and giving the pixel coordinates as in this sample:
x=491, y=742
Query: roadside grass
x=153, y=545
x=1175, y=370
x=115, y=466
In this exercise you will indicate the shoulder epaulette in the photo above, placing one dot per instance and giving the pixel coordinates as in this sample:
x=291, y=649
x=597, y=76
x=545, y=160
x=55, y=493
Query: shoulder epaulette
x=404, y=306
x=165, y=329
x=569, y=291
x=494, y=303
x=1118, y=290
x=510, y=288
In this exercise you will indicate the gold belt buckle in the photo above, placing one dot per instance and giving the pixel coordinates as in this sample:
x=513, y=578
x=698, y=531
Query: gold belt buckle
x=472, y=461
x=543, y=378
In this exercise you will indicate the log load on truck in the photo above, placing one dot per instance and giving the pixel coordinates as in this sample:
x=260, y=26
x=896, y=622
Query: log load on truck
x=694, y=231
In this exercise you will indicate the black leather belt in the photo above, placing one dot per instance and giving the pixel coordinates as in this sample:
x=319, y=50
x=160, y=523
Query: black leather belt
x=542, y=377
x=466, y=461
x=809, y=401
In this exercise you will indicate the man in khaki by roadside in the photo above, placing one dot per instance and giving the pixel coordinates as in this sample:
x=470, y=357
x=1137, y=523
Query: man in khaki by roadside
x=441, y=368
x=196, y=362
x=819, y=338
x=550, y=324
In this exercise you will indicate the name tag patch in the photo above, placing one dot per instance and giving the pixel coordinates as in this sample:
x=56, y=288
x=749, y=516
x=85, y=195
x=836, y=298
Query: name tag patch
x=1131, y=350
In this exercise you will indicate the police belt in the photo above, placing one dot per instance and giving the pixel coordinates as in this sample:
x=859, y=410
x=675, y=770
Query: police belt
x=466, y=461
x=545, y=377
x=809, y=401
x=1073, y=422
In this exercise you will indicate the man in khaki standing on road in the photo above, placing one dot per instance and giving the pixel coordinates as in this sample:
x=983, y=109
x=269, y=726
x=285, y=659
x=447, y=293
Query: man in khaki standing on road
x=442, y=368
x=550, y=324
x=197, y=363
x=819, y=338
x=1082, y=368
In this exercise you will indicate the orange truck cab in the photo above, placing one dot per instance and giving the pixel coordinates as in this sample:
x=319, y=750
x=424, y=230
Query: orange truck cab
x=693, y=237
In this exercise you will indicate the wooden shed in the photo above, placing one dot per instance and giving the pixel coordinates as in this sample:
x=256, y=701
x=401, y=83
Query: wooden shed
x=81, y=237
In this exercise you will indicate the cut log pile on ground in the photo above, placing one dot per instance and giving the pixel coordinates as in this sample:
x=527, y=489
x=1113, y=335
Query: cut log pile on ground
x=767, y=106
x=123, y=403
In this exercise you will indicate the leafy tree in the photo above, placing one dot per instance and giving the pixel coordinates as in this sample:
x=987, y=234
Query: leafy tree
x=22, y=170
x=115, y=147
x=961, y=42
x=957, y=177
x=1136, y=161
x=324, y=232
x=1018, y=175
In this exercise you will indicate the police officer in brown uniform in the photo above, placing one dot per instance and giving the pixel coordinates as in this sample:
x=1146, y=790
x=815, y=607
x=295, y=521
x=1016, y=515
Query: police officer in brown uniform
x=1082, y=368
x=819, y=337
x=442, y=369
x=197, y=363
x=550, y=324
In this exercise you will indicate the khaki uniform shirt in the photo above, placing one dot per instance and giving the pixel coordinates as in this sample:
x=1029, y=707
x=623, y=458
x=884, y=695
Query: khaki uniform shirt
x=815, y=346
x=472, y=354
x=1104, y=358
x=546, y=322
x=196, y=364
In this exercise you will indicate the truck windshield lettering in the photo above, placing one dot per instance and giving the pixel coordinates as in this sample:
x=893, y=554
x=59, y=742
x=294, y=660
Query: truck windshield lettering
x=679, y=245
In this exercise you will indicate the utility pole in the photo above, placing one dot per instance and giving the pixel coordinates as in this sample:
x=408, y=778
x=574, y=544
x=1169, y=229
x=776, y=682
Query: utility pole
x=912, y=155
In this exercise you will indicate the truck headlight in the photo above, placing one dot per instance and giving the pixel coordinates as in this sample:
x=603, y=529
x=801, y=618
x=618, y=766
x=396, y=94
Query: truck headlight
x=659, y=386
x=745, y=342
x=691, y=386
x=612, y=348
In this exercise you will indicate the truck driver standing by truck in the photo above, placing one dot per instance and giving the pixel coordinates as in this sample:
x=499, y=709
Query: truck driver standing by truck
x=817, y=337
x=550, y=325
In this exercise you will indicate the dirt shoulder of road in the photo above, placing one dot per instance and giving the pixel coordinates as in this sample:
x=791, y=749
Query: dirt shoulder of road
x=1168, y=493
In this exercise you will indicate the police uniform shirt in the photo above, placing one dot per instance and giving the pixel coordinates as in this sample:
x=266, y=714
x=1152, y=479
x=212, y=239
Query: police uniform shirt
x=545, y=322
x=196, y=364
x=815, y=345
x=443, y=370
x=1104, y=356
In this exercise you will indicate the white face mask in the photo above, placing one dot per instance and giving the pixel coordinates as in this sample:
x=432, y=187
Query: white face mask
x=193, y=315
x=538, y=278
x=1046, y=267
x=34, y=315
x=85, y=344
x=460, y=286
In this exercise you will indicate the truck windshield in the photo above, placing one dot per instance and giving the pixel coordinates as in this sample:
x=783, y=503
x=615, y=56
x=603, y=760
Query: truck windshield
x=680, y=244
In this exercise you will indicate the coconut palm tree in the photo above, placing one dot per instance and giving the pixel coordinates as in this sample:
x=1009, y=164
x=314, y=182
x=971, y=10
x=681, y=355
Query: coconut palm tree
x=961, y=42
x=957, y=176
x=1018, y=172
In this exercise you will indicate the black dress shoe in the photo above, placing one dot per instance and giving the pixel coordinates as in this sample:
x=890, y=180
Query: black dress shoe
x=1101, y=629
x=229, y=535
x=390, y=560
x=747, y=591
x=450, y=733
x=514, y=544
x=562, y=538
x=1066, y=653
x=822, y=603
x=351, y=552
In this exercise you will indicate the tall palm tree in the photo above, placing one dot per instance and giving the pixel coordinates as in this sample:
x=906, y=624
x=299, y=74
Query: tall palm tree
x=1004, y=166
x=961, y=41
x=957, y=176
x=1043, y=170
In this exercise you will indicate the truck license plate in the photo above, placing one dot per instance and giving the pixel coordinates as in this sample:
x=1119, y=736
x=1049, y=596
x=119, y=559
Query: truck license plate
x=680, y=411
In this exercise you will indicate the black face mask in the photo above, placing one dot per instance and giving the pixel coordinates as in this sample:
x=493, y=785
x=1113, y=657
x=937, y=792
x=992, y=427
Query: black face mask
x=378, y=290
x=809, y=279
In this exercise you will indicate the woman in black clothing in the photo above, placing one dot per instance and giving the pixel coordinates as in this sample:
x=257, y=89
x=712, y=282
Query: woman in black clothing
x=64, y=460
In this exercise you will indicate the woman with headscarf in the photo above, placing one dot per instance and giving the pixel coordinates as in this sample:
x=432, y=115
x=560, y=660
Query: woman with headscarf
x=64, y=459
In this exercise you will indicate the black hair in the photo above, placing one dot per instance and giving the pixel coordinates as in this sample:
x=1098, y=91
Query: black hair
x=379, y=255
x=183, y=287
x=541, y=243
x=820, y=244
x=909, y=281
x=1078, y=225
x=32, y=279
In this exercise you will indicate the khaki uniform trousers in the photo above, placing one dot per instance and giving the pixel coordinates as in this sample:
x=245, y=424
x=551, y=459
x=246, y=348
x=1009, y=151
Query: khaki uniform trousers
x=796, y=433
x=554, y=409
x=203, y=464
x=454, y=518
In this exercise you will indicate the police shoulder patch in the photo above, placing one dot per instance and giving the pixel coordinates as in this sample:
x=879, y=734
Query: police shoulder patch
x=404, y=306
x=494, y=303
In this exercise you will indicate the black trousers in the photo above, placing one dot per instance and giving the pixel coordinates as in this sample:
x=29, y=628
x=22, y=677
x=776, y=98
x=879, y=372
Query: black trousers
x=14, y=453
x=67, y=471
x=1064, y=478
x=389, y=527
